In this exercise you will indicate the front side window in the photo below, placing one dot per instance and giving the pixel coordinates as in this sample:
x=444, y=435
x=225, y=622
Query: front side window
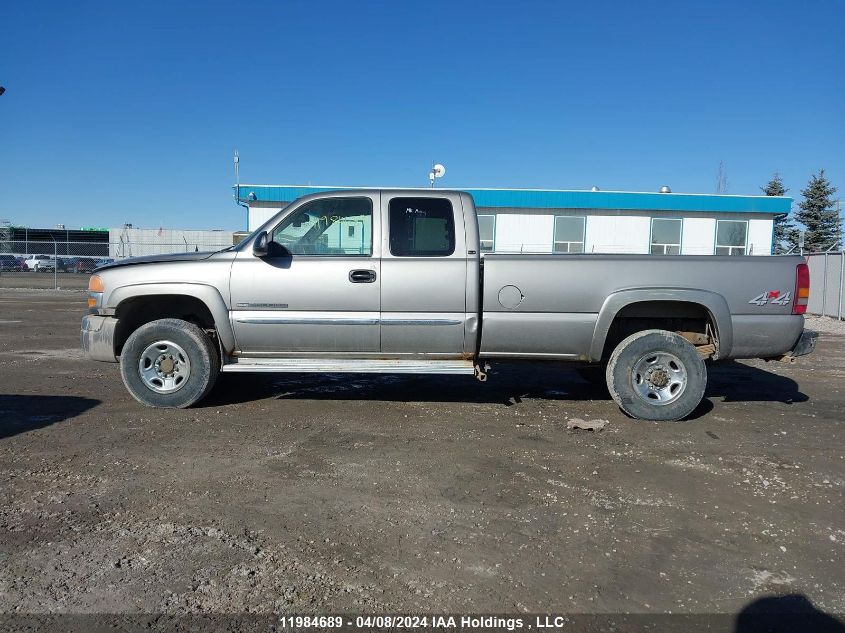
x=487, y=232
x=328, y=226
x=569, y=234
x=421, y=227
x=731, y=237
x=666, y=236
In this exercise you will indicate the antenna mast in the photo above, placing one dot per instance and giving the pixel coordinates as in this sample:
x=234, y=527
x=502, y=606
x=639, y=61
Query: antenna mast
x=236, y=158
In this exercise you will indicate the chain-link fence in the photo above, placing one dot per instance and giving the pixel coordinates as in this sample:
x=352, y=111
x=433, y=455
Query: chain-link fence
x=827, y=273
x=60, y=259
x=18, y=257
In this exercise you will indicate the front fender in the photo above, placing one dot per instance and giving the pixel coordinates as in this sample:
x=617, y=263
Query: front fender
x=713, y=302
x=208, y=294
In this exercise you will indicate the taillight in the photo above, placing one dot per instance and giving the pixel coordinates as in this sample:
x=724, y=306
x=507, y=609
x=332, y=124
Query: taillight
x=802, y=289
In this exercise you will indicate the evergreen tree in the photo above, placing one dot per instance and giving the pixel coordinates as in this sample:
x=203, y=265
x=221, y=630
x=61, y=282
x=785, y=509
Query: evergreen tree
x=818, y=213
x=786, y=235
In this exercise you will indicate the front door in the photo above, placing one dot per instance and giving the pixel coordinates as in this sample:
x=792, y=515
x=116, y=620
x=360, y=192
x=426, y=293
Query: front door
x=319, y=290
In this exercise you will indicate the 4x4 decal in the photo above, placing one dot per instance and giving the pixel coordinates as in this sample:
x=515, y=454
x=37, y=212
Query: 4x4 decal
x=775, y=297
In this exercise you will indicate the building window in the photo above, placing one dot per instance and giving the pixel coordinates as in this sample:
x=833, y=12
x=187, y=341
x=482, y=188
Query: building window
x=421, y=227
x=731, y=237
x=487, y=232
x=569, y=234
x=666, y=236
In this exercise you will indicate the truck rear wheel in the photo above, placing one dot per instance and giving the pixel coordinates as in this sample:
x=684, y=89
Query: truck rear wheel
x=656, y=375
x=169, y=363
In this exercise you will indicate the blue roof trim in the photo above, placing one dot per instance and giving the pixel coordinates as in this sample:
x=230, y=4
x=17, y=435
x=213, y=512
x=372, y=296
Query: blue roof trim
x=555, y=199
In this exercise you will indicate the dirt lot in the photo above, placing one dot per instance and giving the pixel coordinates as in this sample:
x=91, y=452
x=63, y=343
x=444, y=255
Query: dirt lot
x=304, y=493
x=47, y=280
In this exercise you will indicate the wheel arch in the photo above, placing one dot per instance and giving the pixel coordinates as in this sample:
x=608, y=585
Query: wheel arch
x=713, y=305
x=138, y=304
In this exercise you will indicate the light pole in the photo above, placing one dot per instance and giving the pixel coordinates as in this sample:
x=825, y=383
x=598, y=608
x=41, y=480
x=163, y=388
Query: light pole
x=55, y=263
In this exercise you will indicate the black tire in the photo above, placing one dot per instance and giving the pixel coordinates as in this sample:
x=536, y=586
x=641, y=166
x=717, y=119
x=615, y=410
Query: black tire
x=204, y=363
x=669, y=361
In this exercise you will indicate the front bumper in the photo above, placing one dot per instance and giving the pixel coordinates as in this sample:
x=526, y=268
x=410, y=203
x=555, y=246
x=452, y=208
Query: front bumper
x=806, y=343
x=98, y=337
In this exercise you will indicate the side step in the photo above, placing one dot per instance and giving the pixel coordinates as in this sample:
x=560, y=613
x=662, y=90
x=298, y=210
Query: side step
x=356, y=366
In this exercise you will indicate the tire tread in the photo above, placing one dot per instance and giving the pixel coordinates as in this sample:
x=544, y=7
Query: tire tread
x=207, y=364
x=678, y=410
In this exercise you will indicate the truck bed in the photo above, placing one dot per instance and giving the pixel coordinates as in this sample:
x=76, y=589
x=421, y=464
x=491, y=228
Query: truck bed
x=561, y=306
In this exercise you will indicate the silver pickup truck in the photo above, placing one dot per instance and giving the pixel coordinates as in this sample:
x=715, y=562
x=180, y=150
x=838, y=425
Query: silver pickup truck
x=394, y=281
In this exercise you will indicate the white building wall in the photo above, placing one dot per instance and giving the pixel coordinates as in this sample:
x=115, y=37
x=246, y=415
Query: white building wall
x=259, y=215
x=760, y=237
x=532, y=230
x=517, y=233
x=698, y=236
x=617, y=234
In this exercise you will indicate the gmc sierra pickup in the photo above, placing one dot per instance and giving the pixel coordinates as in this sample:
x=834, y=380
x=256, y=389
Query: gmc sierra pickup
x=394, y=281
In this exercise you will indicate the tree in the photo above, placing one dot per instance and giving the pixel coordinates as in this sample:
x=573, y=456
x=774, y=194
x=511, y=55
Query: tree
x=785, y=233
x=818, y=213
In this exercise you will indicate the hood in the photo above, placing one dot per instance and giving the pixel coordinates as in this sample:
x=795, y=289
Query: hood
x=155, y=259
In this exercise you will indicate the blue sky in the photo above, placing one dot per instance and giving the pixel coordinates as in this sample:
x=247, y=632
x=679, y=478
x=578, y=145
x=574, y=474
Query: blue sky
x=128, y=112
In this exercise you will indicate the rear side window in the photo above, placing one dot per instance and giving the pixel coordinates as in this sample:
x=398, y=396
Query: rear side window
x=421, y=227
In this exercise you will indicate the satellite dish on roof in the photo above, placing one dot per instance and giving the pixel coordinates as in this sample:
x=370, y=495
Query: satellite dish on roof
x=437, y=171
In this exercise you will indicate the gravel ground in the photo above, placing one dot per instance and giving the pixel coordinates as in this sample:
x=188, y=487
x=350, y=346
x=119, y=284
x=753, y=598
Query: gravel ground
x=826, y=324
x=31, y=280
x=299, y=493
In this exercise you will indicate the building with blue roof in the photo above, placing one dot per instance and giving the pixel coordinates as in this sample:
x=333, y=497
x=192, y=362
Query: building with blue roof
x=561, y=221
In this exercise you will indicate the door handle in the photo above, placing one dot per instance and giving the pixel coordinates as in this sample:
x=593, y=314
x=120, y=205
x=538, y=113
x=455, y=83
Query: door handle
x=362, y=276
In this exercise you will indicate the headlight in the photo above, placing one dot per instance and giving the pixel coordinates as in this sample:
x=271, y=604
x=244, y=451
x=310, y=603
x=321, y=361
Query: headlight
x=95, y=292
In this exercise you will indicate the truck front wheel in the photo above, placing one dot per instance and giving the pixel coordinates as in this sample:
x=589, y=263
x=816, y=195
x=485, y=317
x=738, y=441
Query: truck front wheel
x=656, y=375
x=169, y=363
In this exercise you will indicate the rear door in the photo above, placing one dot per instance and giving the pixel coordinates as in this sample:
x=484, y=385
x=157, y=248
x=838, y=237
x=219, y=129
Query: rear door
x=424, y=275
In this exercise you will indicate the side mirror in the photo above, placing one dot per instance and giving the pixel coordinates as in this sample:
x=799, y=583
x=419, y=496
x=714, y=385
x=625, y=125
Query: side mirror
x=260, y=246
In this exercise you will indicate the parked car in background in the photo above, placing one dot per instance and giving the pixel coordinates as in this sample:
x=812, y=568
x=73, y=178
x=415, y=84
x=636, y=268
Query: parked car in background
x=10, y=263
x=102, y=261
x=82, y=265
x=64, y=264
x=40, y=263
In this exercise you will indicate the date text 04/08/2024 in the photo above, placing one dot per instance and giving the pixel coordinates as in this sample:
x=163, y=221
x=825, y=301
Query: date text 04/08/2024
x=425, y=622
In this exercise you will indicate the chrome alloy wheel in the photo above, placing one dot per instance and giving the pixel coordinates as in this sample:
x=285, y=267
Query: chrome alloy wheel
x=659, y=378
x=164, y=367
